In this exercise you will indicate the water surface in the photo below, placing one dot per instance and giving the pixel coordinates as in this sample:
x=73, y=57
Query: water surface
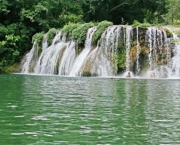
x=53, y=110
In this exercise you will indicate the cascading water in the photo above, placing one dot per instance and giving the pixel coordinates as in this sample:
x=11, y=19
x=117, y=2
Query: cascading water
x=80, y=60
x=119, y=48
x=138, y=51
x=128, y=46
x=67, y=59
x=44, y=42
x=30, y=59
x=176, y=58
x=47, y=63
x=150, y=45
x=104, y=52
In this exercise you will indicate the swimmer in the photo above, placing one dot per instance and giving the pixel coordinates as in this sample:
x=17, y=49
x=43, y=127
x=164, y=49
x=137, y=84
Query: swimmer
x=128, y=75
x=151, y=74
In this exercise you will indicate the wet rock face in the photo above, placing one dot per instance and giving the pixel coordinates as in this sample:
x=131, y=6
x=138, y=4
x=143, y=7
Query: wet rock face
x=150, y=45
x=120, y=48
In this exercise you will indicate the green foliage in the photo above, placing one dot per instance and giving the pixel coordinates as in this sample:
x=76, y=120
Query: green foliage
x=176, y=22
x=120, y=58
x=101, y=27
x=38, y=37
x=177, y=40
x=67, y=29
x=70, y=18
x=3, y=31
x=4, y=7
x=173, y=13
x=141, y=25
x=50, y=35
x=20, y=20
x=9, y=52
x=168, y=32
x=79, y=33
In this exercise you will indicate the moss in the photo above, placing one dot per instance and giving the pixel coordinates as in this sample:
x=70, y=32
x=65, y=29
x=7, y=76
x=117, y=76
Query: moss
x=38, y=37
x=79, y=33
x=78, y=49
x=15, y=68
x=120, y=59
x=101, y=27
x=168, y=32
x=141, y=25
x=176, y=40
x=145, y=50
x=50, y=35
x=86, y=74
x=177, y=22
x=67, y=29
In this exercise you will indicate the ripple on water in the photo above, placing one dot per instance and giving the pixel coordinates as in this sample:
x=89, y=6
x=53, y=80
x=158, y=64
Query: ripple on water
x=57, y=110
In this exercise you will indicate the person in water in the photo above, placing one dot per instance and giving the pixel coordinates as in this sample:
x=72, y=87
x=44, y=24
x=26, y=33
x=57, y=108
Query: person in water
x=128, y=75
x=151, y=74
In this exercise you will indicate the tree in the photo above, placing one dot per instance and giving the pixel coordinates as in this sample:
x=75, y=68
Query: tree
x=173, y=14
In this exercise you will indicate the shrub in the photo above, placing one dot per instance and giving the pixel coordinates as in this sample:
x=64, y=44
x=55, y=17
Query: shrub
x=176, y=22
x=50, y=35
x=101, y=27
x=120, y=59
x=38, y=38
x=67, y=29
x=141, y=25
x=79, y=33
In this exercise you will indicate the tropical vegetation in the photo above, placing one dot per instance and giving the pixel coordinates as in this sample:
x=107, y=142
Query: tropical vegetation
x=24, y=20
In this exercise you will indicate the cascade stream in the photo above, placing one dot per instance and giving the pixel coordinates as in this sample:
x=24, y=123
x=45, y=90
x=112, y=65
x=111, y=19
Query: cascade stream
x=145, y=52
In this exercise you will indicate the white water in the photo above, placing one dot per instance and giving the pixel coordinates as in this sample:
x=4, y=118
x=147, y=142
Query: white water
x=80, y=60
x=104, y=52
x=138, y=51
x=47, y=63
x=33, y=54
x=44, y=42
x=176, y=59
x=67, y=59
x=150, y=40
x=61, y=58
x=128, y=46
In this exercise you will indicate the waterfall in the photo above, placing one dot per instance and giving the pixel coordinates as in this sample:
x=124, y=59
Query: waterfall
x=44, y=42
x=30, y=59
x=76, y=69
x=150, y=45
x=49, y=58
x=176, y=58
x=138, y=51
x=67, y=59
x=104, y=52
x=128, y=46
x=119, y=48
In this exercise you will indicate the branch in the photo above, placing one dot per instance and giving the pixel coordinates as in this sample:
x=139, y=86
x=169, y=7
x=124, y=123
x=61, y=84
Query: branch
x=124, y=3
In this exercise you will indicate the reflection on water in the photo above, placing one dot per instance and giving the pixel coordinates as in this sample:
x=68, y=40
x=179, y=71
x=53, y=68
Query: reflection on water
x=163, y=111
x=65, y=110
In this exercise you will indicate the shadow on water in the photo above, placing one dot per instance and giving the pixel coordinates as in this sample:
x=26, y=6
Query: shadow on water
x=82, y=110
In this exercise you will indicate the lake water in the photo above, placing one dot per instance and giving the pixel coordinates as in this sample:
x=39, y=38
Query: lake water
x=54, y=110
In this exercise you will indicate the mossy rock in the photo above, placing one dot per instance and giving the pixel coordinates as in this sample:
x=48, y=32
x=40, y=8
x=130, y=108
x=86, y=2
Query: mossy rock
x=15, y=68
x=145, y=50
x=141, y=25
x=168, y=33
x=50, y=35
x=101, y=27
x=86, y=74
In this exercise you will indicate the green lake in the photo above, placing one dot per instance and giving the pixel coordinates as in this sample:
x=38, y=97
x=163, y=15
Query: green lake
x=54, y=110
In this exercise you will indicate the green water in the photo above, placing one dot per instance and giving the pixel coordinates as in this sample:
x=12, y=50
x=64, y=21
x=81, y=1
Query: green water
x=53, y=110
